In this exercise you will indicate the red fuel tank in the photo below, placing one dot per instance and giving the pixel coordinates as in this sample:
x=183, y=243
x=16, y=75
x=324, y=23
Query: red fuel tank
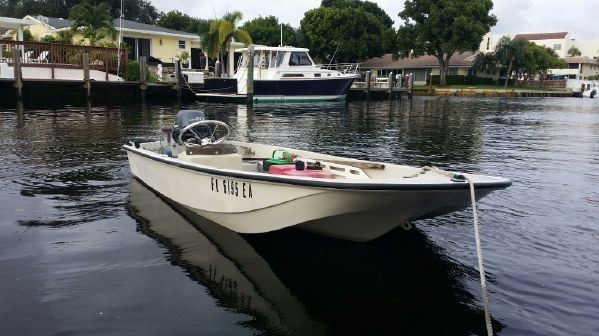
x=290, y=170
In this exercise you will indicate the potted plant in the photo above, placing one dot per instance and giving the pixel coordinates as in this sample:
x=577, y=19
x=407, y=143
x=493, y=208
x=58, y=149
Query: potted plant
x=184, y=58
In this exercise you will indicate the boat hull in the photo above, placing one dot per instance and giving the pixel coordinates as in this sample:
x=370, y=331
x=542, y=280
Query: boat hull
x=250, y=205
x=326, y=89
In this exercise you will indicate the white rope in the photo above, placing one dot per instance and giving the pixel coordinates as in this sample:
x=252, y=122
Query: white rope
x=481, y=268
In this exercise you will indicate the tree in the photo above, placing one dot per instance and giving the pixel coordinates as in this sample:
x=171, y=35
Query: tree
x=510, y=53
x=222, y=31
x=347, y=30
x=366, y=6
x=183, y=22
x=267, y=31
x=136, y=10
x=443, y=27
x=537, y=61
x=573, y=51
x=95, y=21
x=485, y=62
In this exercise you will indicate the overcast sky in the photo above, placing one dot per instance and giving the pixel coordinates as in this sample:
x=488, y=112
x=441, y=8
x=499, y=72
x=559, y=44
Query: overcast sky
x=575, y=16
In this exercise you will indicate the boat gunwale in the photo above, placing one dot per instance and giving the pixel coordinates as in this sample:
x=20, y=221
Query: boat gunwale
x=363, y=185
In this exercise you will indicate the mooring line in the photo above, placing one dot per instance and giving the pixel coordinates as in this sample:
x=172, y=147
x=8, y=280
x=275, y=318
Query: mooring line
x=481, y=269
x=458, y=177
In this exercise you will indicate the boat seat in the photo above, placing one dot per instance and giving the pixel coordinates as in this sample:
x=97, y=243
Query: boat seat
x=223, y=156
x=211, y=149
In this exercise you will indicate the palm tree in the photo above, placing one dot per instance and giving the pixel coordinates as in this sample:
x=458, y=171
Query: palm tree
x=221, y=34
x=510, y=52
x=573, y=51
x=485, y=62
x=95, y=21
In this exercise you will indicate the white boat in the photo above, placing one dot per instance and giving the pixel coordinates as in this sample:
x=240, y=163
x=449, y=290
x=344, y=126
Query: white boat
x=289, y=74
x=248, y=188
x=591, y=92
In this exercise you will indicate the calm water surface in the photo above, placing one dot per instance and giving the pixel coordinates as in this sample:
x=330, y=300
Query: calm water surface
x=86, y=250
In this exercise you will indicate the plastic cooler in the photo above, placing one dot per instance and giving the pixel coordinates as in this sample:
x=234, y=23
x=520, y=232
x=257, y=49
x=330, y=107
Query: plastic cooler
x=289, y=169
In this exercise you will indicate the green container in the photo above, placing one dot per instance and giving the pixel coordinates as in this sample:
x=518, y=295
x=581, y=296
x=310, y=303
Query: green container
x=279, y=156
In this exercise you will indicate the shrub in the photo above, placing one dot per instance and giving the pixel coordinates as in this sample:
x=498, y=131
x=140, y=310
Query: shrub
x=133, y=72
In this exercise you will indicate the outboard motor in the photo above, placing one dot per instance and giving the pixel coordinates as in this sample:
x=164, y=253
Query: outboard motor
x=187, y=117
x=593, y=93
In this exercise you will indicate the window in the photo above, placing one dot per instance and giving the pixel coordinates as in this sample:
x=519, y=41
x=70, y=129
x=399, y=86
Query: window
x=299, y=59
x=452, y=71
x=293, y=75
x=573, y=65
x=137, y=47
x=557, y=47
x=181, y=44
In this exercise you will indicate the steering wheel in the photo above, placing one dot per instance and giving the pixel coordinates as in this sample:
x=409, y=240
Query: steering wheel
x=204, y=140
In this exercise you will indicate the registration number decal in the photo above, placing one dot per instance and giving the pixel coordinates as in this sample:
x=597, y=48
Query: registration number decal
x=231, y=187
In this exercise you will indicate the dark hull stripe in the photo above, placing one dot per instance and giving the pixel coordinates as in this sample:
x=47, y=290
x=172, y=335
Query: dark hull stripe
x=303, y=87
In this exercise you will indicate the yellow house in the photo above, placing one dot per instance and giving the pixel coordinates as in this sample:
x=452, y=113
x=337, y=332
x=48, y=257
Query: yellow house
x=165, y=45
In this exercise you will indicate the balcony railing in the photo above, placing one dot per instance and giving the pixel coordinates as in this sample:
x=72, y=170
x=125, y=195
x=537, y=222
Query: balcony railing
x=66, y=56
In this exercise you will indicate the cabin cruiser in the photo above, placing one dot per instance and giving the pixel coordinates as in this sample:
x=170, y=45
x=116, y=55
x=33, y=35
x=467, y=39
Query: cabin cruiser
x=289, y=74
x=255, y=188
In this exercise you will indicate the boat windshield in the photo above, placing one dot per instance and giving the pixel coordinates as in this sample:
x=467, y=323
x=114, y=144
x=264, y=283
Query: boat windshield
x=299, y=58
x=276, y=59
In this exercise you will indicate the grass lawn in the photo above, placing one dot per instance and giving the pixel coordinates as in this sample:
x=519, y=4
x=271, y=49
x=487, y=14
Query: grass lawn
x=492, y=87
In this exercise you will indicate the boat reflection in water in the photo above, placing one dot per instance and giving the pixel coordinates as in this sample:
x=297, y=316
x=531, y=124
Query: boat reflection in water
x=296, y=283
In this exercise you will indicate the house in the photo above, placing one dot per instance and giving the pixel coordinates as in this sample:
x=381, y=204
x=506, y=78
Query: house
x=579, y=67
x=559, y=42
x=142, y=39
x=16, y=25
x=421, y=67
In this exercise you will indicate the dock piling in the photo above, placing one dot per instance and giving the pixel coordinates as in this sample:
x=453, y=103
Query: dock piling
x=430, y=84
x=178, y=78
x=86, y=79
x=390, y=82
x=142, y=77
x=368, y=75
x=18, y=75
x=250, y=76
x=410, y=85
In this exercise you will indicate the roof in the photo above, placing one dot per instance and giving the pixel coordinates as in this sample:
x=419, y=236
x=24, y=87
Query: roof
x=541, y=36
x=579, y=59
x=265, y=48
x=127, y=25
x=12, y=23
x=386, y=62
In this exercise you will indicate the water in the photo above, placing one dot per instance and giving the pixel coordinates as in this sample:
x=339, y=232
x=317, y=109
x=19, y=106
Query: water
x=84, y=249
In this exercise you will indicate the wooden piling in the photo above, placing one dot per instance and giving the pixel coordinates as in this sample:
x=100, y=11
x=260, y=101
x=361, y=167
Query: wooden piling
x=368, y=75
x=18, y=75
x=390, y=81
x=86, y=79
x=250, y=76
x=142, y=77
x=217, y=68
x=410, y=85
x=178, y=78
x=430, y=84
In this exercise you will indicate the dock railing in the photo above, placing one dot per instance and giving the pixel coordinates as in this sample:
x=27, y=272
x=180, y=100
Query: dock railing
x=65, y=56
